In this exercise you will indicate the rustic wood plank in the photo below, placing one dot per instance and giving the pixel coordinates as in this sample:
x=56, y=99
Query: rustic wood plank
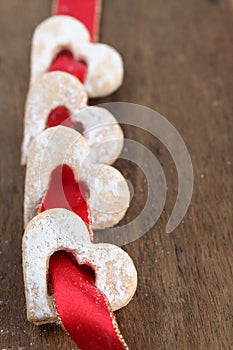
x=178, y=60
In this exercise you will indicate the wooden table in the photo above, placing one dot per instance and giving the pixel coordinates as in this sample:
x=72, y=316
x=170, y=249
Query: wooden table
x=178, y=61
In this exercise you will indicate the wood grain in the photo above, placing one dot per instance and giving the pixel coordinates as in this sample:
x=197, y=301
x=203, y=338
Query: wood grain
x=178, y=61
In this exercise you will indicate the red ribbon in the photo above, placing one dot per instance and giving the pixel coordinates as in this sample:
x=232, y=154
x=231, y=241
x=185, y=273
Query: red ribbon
x=65, y=192
x=66, y=63
x=88, y=12
x=84, y=311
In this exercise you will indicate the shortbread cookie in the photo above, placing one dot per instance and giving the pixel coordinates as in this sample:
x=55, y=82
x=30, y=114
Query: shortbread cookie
x=60, y=229
x=51, y=90
x=108, y=190
x=55, y=89
x=105, y=67
x=103, y=134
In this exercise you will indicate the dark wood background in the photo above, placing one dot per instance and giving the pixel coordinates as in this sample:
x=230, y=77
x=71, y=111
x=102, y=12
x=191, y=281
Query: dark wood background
x=178, y=61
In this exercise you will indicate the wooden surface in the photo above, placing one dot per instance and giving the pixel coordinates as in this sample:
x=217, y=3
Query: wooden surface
x=178, y=60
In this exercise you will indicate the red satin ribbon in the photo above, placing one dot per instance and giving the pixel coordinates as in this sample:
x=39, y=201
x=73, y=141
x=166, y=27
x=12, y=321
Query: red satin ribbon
x=59, y=116
x=83, y=309
x=65, y=192
x=88, y=12
x=66, y=63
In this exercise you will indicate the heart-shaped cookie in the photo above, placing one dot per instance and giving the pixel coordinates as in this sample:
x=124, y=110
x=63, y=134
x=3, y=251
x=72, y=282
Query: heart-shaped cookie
x=108, y=190
x=105, y=67
x=55, y=89
x=60, y=229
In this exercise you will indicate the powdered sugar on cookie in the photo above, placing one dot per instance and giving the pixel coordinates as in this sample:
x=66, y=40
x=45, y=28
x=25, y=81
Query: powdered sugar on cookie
x=105, y=66
x=60, y=229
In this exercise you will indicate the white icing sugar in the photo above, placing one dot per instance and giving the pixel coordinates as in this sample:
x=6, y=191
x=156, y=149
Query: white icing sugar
x=109, y=194
x=103, y=133
x=60, y=229
x=105, y=66
x=51, y=90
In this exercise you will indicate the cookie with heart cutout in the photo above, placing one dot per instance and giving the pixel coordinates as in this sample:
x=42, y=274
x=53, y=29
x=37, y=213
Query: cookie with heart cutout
x=59, y=229
x=108, y=197
x=105, y=66
x=59, y=89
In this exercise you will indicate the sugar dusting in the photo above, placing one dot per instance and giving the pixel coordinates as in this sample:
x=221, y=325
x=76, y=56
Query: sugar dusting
x=60, y=229
x=50, y=90
x=105, y=66
x=109, y=193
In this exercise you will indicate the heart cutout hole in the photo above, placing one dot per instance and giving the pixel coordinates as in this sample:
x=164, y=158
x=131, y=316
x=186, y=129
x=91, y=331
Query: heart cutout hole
x=59, y=116
x=85, y=273
x=64, y=192
x=66, y=62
